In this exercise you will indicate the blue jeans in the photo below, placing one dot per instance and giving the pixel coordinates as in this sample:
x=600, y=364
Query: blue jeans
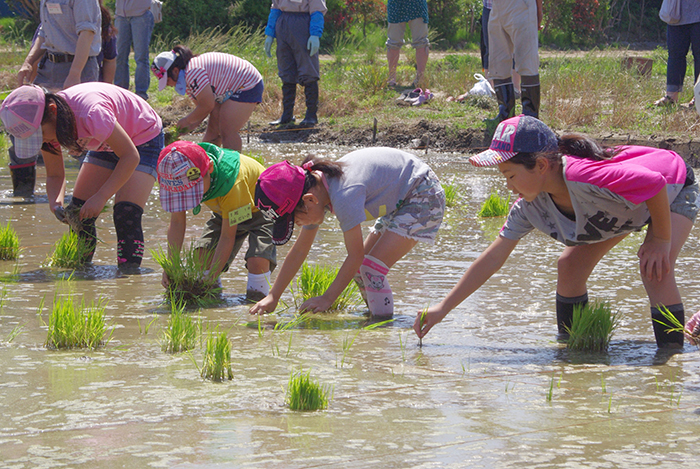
x=678, y=40
x=134, y=30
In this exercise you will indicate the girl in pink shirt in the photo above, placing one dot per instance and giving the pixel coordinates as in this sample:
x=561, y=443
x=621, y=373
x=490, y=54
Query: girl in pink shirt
x=123, y=137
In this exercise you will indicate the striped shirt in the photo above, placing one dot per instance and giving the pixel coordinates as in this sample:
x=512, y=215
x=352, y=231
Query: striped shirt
x=226, y=74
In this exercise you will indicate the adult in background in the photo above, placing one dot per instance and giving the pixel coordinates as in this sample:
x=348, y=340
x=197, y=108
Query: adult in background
x=513, y=28
x=298, y=26
x=135, y=22
x=107, y=59
x=224, y=87
x=679, y=37
x=64, y=54
x=415, y=14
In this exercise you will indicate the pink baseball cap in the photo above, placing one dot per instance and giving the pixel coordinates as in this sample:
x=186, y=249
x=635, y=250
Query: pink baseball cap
x=160, y=66
x=21, y=113
x=180, y=168
x=520, y=134
x=277, y=193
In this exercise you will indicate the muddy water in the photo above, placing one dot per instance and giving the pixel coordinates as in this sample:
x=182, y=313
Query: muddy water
x=489, y=388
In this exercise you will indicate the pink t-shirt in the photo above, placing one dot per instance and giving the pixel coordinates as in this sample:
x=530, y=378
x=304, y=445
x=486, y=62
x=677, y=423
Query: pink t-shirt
x=99, y=106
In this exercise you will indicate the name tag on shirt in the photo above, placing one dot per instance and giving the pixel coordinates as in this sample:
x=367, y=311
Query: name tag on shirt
x=54, y=8
x=240, y=215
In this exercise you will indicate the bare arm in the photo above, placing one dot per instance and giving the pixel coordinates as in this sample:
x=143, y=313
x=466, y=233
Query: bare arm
x=356, y=253
x=109, y=69
x=25, y=73
x=55, y=179
x=204, y=105
x=227, y=239
x=82, y=52
x=654, y=253
x=487, y=264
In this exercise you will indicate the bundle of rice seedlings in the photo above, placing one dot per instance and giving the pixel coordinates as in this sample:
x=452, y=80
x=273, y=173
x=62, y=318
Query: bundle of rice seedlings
x=495, y=206
x=70, y=251
x=9, y=243
x=181, y=332
x=185, y=270
x=592, y=327
x=74, y=325
x=450, y=193
x=217, y=358
x=314, y=280
x=305, y=394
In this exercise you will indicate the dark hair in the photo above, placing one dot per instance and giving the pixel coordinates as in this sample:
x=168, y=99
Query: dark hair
x=569, y=144
x=183, y=55
x=108, y=29
x=66, y=126
x=332, y=169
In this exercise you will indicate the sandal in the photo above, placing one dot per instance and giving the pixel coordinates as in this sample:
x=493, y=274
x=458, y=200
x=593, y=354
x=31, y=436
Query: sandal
x=665, y=102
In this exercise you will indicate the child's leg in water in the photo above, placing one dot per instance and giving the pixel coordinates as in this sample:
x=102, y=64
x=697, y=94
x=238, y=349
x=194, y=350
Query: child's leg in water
x=380, y=299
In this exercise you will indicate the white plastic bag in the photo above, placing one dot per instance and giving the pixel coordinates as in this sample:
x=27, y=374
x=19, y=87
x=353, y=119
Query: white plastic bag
x=157, y=10
x=482, y=87
x=697, y=95
x=670, y=11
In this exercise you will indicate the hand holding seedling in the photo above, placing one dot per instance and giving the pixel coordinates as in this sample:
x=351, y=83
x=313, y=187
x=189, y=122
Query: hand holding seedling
x=426, y=319
x=317, y=304
x=266, y=305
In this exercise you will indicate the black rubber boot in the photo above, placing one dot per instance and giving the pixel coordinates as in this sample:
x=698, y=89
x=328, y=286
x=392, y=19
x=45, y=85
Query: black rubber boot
x=289, y=95
x=88, y=232
x=23, y=180
x=311, y=95
x=530, y=95
x=565, y=313
x=665, y=339
x=127, y=223
x=505, y=95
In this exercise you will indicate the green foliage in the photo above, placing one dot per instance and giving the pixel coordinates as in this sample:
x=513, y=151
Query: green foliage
x=592, y=327
x=9, y=243
x=184, y=17
x=76, y=326
x=314, y=280
x=70, y=251
x=450, y=193
x=217, y=358
x=495, y=206
x=185, y=271
x=181, y=332
x=305, y=394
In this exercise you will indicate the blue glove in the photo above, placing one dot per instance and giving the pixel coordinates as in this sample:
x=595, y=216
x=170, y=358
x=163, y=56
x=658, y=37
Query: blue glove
x=313, y=45
x=268, y=45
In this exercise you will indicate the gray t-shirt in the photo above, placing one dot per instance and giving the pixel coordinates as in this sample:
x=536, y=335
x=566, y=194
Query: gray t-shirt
x=63, y=20
x=129, y=8
x=374, y=182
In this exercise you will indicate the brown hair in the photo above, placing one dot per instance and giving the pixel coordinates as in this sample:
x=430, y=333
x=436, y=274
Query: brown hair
x=183, y=55
x=332, y=169
x=66, y=125
x=569, y=144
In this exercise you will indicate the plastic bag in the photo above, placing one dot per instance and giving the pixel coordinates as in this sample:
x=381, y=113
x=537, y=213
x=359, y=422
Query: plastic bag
x=157, y=10
x=482, y=87
x=697, y=95
x=670, y=11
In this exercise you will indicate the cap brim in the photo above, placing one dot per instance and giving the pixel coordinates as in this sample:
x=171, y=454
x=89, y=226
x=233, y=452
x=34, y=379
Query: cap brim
x=182, y=201
x=490, y=158
x=30, y=146
x=283, y=229
x=162, y=82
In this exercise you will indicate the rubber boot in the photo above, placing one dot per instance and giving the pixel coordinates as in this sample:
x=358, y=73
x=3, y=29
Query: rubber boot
x=505, y=95
x=23, y=180
x=565, y=313
x=530, y=95
x=127, y=223
x=665, y=339
x=289, y=95
x=311, y=95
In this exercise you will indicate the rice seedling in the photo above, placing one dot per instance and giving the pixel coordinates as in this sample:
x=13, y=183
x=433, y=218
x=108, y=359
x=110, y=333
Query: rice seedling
x=281, y=328
x=450, y=193
x=495, y=206
x=217, y=358
x=180, y=334
x=73, y=325
x=348, y=340
x=550, y=392
x=303, y=393
x=674, y=325
x=9, y=243
x=185, y=271
x=314, y=281
x=70, y=251
x=592, y=327
x=602, y=383
x=423, y=317
x=257, y=156
x=17, y=330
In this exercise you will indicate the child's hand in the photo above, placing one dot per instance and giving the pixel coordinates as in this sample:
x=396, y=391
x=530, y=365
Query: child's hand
x=426, y=319
x=266, y=305
x=692, y=328
x=654, y=258
x=92, y=208
x=316, y=304
x=165, y=281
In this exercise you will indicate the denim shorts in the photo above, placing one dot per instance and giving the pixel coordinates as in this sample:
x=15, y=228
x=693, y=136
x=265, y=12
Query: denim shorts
x=687, y=202
x=420, y=214
x=148, y=152
x=253, y=95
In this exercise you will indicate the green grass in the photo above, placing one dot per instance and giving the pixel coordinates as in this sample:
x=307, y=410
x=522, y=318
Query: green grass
x=217, y=358
x=185, y=269
x=303, y=393
x=70, y=251
x=592, y=327
x=495, y=206
x=181, y=332
x=314, y=280
x=76, y=325
x=450, y=193
x=9, y=243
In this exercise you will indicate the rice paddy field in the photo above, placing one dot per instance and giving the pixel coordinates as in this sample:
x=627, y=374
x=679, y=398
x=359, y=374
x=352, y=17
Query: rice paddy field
x=490, y=386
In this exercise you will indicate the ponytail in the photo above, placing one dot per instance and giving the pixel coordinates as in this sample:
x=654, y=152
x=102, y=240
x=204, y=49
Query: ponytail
x=183, y=55
x=584, y=147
